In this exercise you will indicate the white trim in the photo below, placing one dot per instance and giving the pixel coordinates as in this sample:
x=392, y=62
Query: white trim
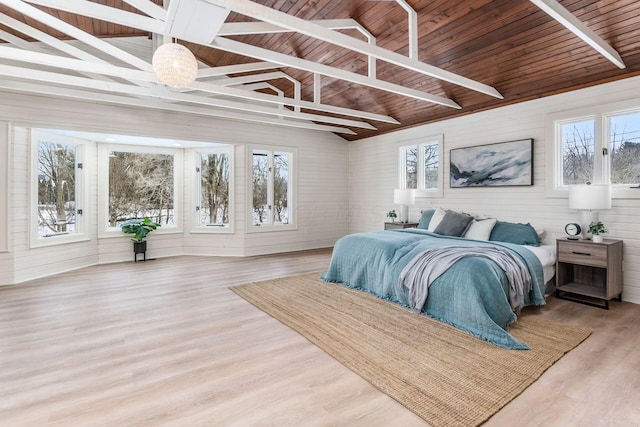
x=196, y=227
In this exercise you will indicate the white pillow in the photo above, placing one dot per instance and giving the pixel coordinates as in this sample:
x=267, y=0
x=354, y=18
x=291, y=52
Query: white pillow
x=436, y=218
x=480, y=229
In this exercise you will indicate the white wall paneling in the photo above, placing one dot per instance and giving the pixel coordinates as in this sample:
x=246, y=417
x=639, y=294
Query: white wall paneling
x=322, y=186
x=6, y=257
x=373, y=172
x=4, y=189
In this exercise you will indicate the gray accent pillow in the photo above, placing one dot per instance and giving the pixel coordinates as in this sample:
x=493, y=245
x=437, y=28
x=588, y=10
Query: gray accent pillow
x=453, y=224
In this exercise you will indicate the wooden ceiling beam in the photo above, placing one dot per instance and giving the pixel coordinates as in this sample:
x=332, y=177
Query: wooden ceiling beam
x=573, y=24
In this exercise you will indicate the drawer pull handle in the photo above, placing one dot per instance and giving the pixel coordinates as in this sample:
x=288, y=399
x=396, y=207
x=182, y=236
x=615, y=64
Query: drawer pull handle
x=581, y=253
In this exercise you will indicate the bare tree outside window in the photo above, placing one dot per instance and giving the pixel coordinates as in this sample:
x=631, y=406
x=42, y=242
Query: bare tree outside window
x=260, y=183
x=271, y=180
x=214, y=188
x=431, y=165
x=140, y=185
x=281, y=188
x=56, y=188
x=419, y=165
x=411, y=166
x=624, y=148
x=578, y=146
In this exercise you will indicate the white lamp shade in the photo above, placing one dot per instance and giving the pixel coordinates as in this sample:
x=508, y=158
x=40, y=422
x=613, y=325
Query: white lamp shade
x=175, y=65
x=590, y=197
x=404, y=196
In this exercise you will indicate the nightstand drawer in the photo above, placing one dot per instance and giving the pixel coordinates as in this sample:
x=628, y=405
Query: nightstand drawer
x=396, y=225
x=583, y=253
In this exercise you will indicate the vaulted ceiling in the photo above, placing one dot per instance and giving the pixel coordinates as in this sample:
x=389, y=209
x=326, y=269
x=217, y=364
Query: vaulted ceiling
x=356, y=68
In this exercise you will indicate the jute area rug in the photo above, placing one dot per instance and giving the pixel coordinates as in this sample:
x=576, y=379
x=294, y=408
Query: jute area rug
x=442, y=374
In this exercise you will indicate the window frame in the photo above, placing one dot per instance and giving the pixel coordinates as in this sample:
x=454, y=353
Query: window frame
x=421, y=191
x=81, y=194
x=292, y=188
x=197, y=190
x=602, y=175
x=104, y=231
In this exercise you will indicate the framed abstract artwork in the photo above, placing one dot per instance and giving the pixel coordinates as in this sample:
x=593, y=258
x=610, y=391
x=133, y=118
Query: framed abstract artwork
x=492, y=165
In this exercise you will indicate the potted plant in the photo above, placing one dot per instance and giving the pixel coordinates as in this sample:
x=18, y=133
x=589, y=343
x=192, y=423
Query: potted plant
x=596, y=229
x=393, y=215
x=140, y=228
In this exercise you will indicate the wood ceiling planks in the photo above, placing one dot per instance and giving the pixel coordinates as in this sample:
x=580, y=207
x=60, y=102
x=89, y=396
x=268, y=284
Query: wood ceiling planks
x=508, y=44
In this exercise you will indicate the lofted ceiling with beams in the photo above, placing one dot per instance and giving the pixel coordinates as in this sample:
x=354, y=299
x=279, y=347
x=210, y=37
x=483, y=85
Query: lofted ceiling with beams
x=356, y=68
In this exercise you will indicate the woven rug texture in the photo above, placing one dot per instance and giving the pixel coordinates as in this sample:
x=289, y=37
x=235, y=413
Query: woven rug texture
x=444, y=375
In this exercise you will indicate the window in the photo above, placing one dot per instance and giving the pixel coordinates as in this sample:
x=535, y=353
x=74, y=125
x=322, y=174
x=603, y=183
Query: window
x=57, y=188
x=214, y=174
x=600, y=147
x=139, y=182
x=420, y=165
x=272, y=189
x=578, y=147
x=624, y=146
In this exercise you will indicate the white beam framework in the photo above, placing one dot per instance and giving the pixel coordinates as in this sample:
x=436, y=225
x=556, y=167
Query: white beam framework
x=266, y=14
x=313, y=67
x=573, y=24
x=73, y=64
x=159, y=105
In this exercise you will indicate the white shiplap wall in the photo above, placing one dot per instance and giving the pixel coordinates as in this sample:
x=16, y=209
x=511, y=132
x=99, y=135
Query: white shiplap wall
x=6, y=257
x=373, y=173
x=322, y=166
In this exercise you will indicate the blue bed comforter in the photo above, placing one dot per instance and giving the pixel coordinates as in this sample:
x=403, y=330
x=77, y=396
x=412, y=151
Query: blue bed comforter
x=471, y=295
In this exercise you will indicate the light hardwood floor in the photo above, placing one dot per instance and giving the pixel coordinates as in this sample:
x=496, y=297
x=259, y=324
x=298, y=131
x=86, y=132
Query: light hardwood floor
x=166, y=343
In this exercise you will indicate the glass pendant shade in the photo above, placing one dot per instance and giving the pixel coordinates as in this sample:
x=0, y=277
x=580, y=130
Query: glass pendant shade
x=175, y=65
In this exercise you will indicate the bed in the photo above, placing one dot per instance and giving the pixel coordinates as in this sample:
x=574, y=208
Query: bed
x=472, y=294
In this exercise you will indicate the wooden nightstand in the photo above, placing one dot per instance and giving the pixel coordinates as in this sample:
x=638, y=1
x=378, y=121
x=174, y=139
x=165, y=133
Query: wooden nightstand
x=395, y=225
x=587, y=269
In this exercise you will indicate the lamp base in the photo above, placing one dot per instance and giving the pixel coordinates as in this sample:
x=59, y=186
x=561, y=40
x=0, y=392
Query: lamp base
x=404, y=213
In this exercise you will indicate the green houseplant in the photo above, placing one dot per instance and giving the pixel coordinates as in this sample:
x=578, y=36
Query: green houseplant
x=140, y=228
x=393, y=215
x=597, y=228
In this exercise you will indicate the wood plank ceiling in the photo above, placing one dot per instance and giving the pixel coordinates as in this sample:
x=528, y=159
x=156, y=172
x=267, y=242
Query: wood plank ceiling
x=511, y=45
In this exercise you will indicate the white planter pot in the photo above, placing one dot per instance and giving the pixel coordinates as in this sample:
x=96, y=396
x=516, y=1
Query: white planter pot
x=596, y=238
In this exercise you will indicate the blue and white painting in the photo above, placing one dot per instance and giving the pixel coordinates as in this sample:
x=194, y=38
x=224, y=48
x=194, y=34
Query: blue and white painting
x=493, y=165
